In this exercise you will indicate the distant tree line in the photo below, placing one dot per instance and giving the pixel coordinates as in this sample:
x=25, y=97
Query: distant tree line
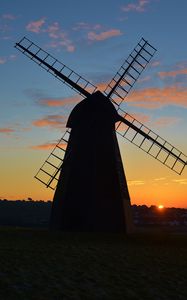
x=27, y=213
x=30, y=213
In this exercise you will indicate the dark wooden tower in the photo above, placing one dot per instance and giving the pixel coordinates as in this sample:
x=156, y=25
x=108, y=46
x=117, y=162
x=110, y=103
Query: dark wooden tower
x=92, y=193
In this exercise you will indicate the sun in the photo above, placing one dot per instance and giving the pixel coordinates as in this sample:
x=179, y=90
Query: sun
x=160, y=206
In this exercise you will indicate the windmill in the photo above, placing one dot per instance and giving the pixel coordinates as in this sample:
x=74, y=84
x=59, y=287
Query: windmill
x=85, y=168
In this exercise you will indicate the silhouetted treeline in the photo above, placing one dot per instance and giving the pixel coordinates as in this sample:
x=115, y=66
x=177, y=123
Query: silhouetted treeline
x=25, y=213
x=31, y=213
x=151, y=216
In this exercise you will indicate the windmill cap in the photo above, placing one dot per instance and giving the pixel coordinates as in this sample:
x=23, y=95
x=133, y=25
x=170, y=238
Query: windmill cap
x=95, y=107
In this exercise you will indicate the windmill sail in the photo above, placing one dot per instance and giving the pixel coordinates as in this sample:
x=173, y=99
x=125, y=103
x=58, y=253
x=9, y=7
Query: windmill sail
x=130, y=128
x=129, y=72
x=48, y=174
x=55, y=67
x=150, y=142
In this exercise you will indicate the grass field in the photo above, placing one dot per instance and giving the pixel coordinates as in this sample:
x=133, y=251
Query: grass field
x=38, y=264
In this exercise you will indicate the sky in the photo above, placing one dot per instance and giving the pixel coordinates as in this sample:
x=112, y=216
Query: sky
x=93, y=38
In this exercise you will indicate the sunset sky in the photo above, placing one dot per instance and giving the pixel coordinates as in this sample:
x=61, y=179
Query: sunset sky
x=93, y=38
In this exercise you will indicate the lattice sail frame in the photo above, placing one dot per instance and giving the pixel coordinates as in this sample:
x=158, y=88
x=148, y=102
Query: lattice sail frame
x=151, y=143
x=48, y=174
x=129, y=72
x=117, y=90
x=55, y=67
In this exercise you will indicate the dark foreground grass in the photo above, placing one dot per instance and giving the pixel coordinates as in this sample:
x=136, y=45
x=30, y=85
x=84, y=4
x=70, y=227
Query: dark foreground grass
x=41, y=265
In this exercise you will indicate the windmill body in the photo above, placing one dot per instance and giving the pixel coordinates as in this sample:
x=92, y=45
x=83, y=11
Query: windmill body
x=91, y=192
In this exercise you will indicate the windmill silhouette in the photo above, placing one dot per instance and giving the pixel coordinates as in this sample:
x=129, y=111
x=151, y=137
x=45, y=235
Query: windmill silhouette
x=85, y=167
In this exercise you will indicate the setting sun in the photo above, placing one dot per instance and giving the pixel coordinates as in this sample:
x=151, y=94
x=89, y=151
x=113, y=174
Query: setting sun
x=160, y=206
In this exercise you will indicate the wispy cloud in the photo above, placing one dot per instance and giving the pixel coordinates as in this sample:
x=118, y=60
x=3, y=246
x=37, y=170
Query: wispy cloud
x=144, y=79
x=158, y=97
x=86, y=26
x=34, y=94
x=47, y=146
x=160, y=179
x=36, y=26
x=138, y=6
x=6, y=27
x=52, y=121
x=6, y=130
x=165, y=121
x=9, y=16
x=155, y=63
x=58, y=37
x=93, y=36
x=53, y=30
x=136, y=182
x=141, y=117
x=96, y=32
x=2, y=60
x=180, y=181
x=59, y=102
x=6, y=59
x=150, y=98
x=65, y=43
x=173, y=73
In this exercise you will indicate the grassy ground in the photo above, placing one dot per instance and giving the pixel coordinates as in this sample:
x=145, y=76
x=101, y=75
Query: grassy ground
x=38, y=265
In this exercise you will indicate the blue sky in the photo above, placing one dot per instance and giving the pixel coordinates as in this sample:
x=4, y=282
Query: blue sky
x=93, y=38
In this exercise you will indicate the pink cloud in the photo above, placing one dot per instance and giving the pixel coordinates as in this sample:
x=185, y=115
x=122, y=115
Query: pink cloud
x=53, y=121
x=53, y=30
x=12, y=57
x=36, y=26
x=5, y=27
x=65, y=43
x=158, y=97
x=182, y=65
x=103, y=35
x=102, y=86
x=6, y=37
x=165, y=121
x=155, y=63
x=139, y=6
x=141, y=117
x=2, y=60
x=6, y=130
x=86, y=26
x=173, y=73
x=148, y=98
x=48, y=146
x=59, y=38
x=144, y=79
x=9, y=17
x=59, y=102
